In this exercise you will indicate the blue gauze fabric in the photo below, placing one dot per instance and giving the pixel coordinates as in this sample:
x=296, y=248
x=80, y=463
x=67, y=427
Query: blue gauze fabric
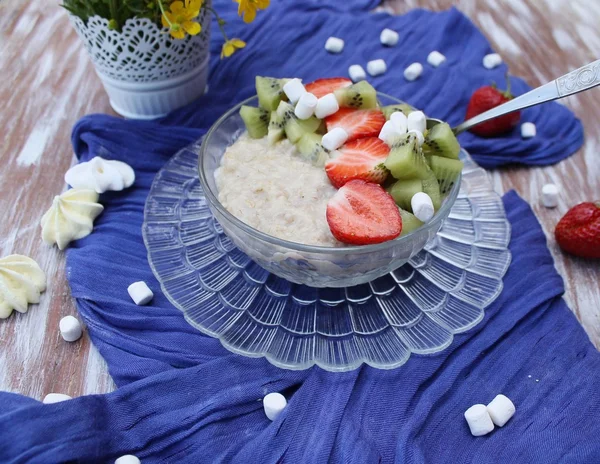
x=183, y=398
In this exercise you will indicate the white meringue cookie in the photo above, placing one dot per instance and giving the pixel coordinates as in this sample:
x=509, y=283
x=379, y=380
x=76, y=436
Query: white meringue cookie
x=101, y=175
x=21, y=282
x=70, y=217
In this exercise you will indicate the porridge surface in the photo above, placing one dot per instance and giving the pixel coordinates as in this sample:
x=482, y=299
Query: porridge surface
x=275, y=191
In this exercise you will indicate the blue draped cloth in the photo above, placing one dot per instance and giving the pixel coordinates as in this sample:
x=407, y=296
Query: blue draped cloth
x=183, y=398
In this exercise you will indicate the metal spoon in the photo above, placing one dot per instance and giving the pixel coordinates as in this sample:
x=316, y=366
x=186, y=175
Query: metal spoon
x=574, y=82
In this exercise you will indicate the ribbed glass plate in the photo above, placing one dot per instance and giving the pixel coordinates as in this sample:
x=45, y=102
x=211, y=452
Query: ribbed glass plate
x=415, y=309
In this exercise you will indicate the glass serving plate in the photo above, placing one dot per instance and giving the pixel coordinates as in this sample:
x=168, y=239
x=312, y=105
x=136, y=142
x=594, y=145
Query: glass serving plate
x=442, y=290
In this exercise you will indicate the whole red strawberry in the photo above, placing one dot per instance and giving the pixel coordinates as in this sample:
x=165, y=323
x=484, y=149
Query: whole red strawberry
x=578, y=232
x=486, y=98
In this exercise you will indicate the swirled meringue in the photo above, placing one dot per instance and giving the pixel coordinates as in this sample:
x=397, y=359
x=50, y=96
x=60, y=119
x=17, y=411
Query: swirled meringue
x=101, y=175
x=70, y=217
x=21, y=282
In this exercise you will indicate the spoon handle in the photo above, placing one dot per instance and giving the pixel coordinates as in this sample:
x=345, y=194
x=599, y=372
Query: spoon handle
x=576, y=81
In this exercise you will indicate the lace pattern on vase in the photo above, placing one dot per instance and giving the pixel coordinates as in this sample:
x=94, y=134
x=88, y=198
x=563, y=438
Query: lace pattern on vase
x=142, y=51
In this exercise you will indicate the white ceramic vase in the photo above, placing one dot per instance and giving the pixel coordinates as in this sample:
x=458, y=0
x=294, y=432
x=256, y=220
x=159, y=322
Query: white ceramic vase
x=147, y=73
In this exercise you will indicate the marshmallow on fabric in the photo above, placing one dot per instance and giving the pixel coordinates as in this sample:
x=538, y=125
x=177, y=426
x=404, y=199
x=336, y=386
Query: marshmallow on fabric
x=501, y=409
x=128, y=459
x=70, y=329
x=274, y=404
x=389, y=132
x=306, y=106
x=479, y=420
x=492, y=61
x=400, y=121
x=334, y=45
x=417, y=121
x=376, y=67
x=413, y=71
x=389, y=37
x=357, y=73
x=528, y=130
x=550, y=196
x=334, y=139
x=140, y=293
x=326, y=106
x=294, y=90
x=419, y=136
x=435, y=58
x=422, y=206
x=52, y=398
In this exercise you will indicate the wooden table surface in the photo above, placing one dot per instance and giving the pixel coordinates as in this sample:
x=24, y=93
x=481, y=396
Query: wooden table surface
x=47, y=83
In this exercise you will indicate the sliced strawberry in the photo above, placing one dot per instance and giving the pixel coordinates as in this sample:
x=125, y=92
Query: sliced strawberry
x=322, y=87
x=359, y=159
x=361, y=213
x=358, y=123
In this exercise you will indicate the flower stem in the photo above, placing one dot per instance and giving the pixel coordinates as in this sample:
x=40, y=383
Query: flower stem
x=162, y=10
x=112, y=5
x=220, y=22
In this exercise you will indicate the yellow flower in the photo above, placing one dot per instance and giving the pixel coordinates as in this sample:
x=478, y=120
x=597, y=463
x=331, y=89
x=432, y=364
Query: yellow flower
x=179, y=19
x=248, y=8
x=231, y=46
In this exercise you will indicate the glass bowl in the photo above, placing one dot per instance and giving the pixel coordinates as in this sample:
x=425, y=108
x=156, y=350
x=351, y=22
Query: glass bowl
x=315, y=266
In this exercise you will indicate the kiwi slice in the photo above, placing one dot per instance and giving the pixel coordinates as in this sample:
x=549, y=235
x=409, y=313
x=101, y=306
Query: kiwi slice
x=446, y=172
x=294, y=127
x=275, y=131
x=403, y=191
x=403, y=107
x=409, y=222
x=359, y=95
x=270, y=92
x=432, y=188
x=256, y=121
x=406, y=159
x=310, y=148
x=441, y=141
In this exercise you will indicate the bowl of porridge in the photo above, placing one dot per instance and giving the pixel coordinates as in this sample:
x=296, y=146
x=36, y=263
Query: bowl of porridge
x=275, y=207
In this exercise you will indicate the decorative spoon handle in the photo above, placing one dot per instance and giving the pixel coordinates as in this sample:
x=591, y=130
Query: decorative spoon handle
x=574, y=82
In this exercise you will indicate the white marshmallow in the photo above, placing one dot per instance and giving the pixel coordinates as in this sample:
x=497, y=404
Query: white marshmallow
x=128, y=459
x=422, y=206
x=334, y=139
x=479, y=420
x=550, y=196
x=413, y=71
x=52, y=398
x=528, y=130
x=400, y=121
x=306, y=106
x=492, y=61
x=376, y=67
x=294, y=90
x=70, y=329
x=389, y=132
x=334, y=45
x=435, y=58
x=357, y=73
x=274, y=404
x=419, y=136
x=140, y=293
x=389, y=37
x=501, y=409
x=326, y=106
x=417, y=121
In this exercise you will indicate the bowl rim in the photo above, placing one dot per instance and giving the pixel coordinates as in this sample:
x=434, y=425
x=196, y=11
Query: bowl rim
x=343, y=250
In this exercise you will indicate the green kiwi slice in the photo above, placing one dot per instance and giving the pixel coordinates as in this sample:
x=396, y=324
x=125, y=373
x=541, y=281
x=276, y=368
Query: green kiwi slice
x=409, y=222
x=432, y=188
x=406, y=159
x=441, y=141
x=269, y=91
x=403, y=191
x=275, y=131
x=446, y=172
x=403, y=107
x=359, y=95
x=256, y=121
x=310, y=148
x=295, y=128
